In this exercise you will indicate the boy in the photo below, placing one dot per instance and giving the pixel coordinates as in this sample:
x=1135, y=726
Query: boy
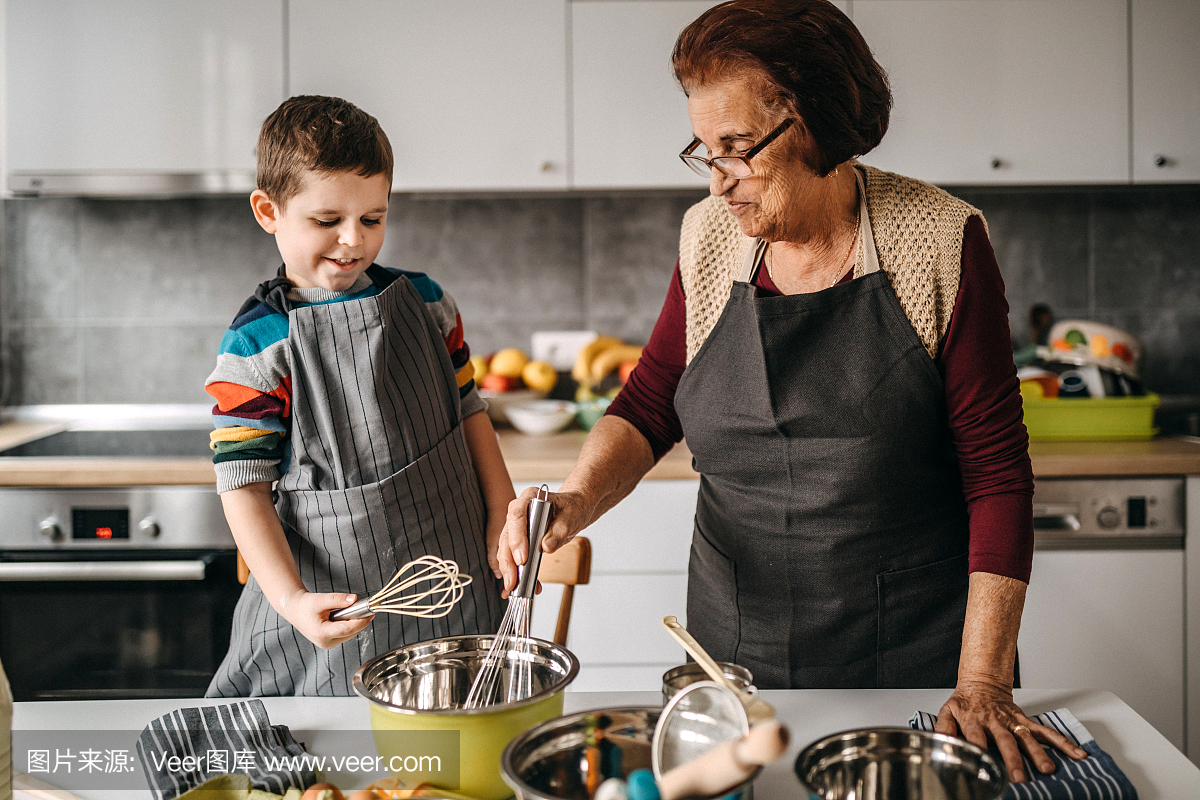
x=350, y=385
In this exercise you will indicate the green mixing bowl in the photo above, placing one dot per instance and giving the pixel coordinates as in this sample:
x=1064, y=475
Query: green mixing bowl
x=422, y=687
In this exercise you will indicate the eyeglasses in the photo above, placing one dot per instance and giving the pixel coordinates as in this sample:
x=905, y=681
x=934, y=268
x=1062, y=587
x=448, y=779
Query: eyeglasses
x=732, y=166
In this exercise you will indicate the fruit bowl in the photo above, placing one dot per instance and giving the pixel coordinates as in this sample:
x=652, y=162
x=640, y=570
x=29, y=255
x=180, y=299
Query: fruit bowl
x=541, y=416
x=499, y=402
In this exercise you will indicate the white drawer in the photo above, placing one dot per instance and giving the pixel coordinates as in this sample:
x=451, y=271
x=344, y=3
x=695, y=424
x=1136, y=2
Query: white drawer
x=650, y=531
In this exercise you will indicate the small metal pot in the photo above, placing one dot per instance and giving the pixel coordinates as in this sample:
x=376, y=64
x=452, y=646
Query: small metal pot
x=676, y=678
x=897, y=764
x=550, y=762
x=422, y=687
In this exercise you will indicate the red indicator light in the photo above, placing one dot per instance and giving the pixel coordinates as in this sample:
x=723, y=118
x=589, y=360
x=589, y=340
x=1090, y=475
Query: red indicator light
x=103, y=533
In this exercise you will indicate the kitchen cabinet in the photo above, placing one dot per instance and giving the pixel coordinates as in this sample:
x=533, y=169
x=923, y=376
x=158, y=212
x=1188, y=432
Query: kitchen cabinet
x=1109, y=620
x=639, y=575
x=145, y=86
x=629, y=116
x=1003, y=91
x=1166, y=91
x=473, y=96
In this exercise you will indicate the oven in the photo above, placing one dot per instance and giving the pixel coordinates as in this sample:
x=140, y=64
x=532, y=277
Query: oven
x=114, y=592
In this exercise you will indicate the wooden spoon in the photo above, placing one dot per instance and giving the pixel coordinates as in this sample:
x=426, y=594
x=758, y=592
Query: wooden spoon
x=757, y=709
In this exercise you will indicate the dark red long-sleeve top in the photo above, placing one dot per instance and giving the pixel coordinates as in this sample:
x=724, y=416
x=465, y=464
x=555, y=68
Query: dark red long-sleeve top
x=982, y=400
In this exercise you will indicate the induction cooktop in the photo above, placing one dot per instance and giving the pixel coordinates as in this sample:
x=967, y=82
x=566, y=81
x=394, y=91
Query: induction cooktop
x=118, y=443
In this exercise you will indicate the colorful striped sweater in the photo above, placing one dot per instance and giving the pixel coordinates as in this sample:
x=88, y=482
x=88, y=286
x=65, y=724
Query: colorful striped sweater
x=253, y=387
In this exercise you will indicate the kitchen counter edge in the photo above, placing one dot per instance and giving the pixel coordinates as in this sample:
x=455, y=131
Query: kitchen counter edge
x=551, y=458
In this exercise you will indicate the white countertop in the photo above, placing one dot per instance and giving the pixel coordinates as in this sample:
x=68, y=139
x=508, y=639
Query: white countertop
x=1156, y=768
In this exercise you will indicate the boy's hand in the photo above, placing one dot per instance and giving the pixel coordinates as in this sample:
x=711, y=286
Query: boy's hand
x=309, y=613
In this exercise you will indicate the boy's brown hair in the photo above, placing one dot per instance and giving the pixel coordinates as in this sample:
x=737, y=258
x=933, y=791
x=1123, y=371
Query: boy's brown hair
x=319, y=134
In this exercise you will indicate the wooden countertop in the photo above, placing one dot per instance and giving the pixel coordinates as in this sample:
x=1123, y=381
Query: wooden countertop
x=551, y=458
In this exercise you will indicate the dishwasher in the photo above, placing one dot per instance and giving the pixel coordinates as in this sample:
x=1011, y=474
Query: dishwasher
x=1105, y=607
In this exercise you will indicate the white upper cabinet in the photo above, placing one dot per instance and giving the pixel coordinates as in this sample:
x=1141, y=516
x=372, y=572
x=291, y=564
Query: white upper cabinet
x=1166, y=91
x=629, y=116
x=472, y=95
x=145, y=86
x=1003, y=91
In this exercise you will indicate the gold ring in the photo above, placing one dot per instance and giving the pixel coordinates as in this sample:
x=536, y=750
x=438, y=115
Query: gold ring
x=1018, y=728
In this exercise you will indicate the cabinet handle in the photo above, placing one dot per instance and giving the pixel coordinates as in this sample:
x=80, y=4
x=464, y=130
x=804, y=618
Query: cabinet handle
x=997, y=163
x=547, y=166
x=1161, y=161
x=102, y=571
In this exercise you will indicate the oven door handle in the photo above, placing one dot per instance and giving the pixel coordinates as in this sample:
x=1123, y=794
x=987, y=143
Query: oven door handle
x=102, y=571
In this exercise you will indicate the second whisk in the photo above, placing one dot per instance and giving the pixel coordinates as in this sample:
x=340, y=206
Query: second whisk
x=510, y=656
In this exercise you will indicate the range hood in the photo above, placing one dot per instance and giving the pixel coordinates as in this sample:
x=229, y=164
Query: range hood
x=98, y=183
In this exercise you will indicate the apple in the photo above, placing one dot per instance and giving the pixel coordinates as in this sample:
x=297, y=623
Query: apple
x=624, y=371
x=496, y=382
x=539, y=375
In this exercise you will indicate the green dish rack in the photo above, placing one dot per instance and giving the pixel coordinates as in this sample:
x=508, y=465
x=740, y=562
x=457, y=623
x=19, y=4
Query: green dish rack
x=1075, y=418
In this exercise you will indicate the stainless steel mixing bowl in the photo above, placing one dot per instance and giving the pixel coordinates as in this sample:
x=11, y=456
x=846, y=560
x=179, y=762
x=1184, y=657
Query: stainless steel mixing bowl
x=898, y=764
x=550, y=762
x=422, y=687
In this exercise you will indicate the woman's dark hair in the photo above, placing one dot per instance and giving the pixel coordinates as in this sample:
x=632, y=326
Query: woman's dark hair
x=806, y=55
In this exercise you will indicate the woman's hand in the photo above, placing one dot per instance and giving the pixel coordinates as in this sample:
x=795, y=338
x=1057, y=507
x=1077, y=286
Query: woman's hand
x=570, y=513
x=979, y=711
x=309, y=613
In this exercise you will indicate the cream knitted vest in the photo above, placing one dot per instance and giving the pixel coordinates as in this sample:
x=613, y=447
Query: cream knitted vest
x=918, y=231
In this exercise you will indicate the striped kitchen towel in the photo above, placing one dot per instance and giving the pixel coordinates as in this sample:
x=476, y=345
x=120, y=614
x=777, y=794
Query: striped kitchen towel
x=1096, y=777
x=183, y=749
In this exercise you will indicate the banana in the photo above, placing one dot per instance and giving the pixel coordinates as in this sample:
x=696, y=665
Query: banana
x=612, y=357
x=581, y=372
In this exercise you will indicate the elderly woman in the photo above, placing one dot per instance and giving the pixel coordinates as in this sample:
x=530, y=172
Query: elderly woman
x=834, y=346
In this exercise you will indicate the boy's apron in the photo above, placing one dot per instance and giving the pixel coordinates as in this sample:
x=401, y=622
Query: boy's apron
x=830, y=541
x=379, y=475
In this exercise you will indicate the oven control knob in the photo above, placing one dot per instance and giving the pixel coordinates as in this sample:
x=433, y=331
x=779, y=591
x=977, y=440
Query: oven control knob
x=1109, y=517
x=149, y=528
x=50, y=528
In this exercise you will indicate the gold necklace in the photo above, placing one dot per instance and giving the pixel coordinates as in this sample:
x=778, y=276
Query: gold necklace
x=838, y=276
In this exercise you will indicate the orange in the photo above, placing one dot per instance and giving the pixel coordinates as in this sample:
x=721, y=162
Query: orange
x=509, y=362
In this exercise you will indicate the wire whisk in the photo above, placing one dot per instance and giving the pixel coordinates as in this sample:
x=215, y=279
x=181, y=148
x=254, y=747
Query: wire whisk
x=511, y=651
x=424, y=587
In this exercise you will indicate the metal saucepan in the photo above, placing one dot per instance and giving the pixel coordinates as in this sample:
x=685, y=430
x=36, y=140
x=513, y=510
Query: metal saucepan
x=422, y=687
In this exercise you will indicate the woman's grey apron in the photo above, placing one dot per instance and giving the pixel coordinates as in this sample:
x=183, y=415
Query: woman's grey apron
x=830, y=542
x=379, y=475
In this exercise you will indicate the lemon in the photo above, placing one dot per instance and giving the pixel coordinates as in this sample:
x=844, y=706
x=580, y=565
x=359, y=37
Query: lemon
x=480, y=365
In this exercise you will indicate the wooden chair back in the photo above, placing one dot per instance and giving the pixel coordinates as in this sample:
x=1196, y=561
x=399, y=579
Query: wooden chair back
x=571, y=566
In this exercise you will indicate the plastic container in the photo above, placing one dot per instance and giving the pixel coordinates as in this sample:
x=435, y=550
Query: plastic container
x=589, y=412
x=1076, y=418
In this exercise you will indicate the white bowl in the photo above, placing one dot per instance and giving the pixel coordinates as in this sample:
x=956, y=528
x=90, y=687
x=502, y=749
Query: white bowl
x=541, y=416
x=500, y=402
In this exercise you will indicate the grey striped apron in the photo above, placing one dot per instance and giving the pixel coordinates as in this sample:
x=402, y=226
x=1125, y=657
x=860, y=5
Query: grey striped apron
x=379, y=475
x=830, y=541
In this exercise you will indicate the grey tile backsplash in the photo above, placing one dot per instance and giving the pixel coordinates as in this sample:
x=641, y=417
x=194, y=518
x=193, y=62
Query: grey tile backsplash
x=108, y=301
